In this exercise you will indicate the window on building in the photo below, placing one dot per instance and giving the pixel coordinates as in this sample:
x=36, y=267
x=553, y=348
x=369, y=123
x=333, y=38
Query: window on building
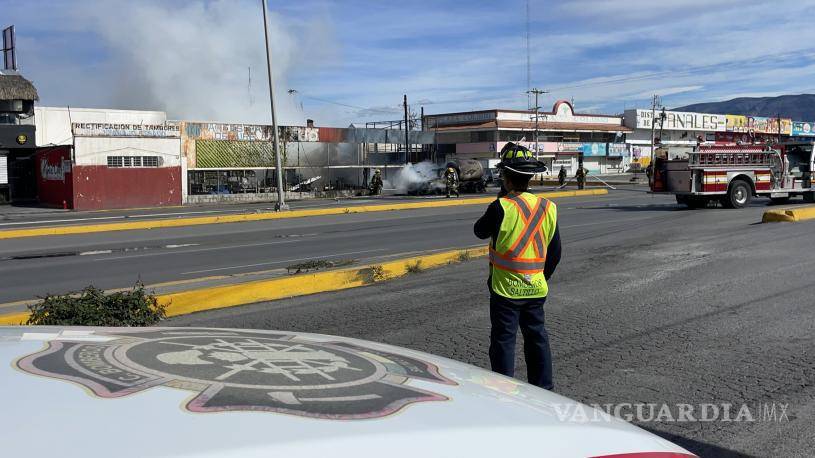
x=512, y=135
x=133, y=161
x=482, y=136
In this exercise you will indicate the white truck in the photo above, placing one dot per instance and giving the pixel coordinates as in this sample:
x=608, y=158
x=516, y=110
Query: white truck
x=733, y=175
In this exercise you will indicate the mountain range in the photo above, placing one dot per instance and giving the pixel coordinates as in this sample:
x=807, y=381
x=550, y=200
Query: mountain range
x=798, y=107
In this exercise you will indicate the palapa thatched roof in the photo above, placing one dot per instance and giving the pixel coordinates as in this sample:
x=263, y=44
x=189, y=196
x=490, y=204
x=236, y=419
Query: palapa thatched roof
x=15, y=87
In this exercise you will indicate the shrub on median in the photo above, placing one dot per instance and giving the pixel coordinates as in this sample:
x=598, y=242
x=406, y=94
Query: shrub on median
x=92, y=307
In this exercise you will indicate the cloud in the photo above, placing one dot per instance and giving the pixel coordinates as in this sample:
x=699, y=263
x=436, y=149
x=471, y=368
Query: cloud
x=352, y=61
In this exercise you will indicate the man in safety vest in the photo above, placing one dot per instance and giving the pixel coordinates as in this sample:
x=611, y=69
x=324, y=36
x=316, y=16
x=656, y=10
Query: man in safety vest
x=524, y=251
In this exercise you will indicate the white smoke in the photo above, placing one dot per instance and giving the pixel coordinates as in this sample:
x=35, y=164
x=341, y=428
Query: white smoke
x=194, y=59
x=416, y=174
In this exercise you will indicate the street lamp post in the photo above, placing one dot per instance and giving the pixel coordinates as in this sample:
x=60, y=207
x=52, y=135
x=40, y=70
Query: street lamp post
x=281, y=203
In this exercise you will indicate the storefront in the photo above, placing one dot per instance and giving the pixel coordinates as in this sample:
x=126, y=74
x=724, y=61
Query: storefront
x=675, y=128
x=17, y=139
x=108, y=159
x=563, y=136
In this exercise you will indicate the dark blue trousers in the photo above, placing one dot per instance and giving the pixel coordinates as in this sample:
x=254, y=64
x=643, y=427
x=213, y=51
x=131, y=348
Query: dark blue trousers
x=506, y=315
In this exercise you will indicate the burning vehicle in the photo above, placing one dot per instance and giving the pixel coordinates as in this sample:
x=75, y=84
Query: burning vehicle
x=428, y=178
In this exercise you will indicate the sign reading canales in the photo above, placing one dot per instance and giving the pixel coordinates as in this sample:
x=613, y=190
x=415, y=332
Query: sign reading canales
x=106, y=129
x=678, y=120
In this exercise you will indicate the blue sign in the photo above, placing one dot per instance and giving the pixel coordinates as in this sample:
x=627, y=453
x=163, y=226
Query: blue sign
x=617, y=149
x=594, y=149
x=803, y=129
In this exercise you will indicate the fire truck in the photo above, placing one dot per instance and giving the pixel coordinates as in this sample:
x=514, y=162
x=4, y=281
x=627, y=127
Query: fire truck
x=733, y=175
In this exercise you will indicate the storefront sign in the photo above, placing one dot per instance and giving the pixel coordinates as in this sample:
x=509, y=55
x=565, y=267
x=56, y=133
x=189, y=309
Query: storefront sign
x=764, y=125
x=737, y=123
x=462, y=118
x=594, y=149
x=617, y=149
x=677, y=120
x=54, y=171
x=104, y=129
x=803, y=129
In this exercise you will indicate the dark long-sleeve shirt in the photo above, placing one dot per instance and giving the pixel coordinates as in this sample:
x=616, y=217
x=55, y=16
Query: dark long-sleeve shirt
x=489, y=225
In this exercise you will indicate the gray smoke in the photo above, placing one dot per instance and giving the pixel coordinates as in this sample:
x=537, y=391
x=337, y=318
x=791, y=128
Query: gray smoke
x=193, y=59
x=415, y=174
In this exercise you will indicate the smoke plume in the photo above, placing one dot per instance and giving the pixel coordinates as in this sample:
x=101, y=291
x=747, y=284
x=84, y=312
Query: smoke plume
x=412, y=175
x=194, y=59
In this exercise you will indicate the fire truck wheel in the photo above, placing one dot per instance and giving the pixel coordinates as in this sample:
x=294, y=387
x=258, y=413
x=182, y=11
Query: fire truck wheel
x=738, y=196
x=809, y=197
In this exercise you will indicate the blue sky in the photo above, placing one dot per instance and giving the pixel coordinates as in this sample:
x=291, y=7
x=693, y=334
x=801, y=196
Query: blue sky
x=351, y=61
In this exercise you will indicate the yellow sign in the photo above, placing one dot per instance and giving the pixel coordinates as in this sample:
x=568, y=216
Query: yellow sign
x=22, y=138
x=737, y=123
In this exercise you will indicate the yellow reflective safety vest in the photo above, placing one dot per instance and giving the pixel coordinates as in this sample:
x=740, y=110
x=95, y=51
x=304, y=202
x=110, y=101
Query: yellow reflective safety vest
x=518, y=257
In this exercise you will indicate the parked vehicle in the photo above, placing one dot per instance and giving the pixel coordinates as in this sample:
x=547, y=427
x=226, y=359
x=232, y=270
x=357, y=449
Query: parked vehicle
x=733, y=175
x=173, y=392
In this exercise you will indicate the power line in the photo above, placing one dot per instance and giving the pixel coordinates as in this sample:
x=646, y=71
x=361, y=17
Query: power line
x=356, y=107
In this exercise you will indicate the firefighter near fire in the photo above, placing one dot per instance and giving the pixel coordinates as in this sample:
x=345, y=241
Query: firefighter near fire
x=732, y=175
x=524, y=252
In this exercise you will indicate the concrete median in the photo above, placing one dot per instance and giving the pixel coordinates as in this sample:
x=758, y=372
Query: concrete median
x=789, y=215
x=231, y=295
x=203, y=220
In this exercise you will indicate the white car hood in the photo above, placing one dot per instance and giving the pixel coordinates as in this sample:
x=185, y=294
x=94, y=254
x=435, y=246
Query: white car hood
x=177, y=392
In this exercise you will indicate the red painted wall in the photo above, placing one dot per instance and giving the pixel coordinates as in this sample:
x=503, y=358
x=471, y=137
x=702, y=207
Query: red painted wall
x=99, y=187
x=54, y=177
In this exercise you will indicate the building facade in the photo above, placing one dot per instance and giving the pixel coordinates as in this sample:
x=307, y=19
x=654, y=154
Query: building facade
x=17, y=138
x=90, y=159
x=674, y=128
x=563, y=136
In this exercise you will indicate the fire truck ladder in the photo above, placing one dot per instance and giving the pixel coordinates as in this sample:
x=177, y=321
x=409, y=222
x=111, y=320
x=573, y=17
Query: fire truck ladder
x=737, y=157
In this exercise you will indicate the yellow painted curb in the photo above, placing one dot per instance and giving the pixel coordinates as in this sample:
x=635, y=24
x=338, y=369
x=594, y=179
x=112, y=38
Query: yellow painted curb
x=200, y=220
x=217, y=297
x=300, y=285
x=788, y=215
x=14, y=319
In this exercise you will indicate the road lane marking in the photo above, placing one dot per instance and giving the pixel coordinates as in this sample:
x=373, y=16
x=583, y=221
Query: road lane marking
x=266, y=216
x=91, y=253
x=281, y=261
x=107, y=218
x=200, y=250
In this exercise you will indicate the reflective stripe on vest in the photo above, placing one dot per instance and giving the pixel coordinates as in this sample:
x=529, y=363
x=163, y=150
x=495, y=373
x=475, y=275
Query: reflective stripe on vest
x=523, y=266
x=531, y=233
x=518, y=251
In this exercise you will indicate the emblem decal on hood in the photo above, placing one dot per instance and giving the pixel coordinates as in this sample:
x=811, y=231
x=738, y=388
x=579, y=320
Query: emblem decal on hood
x=243, y=370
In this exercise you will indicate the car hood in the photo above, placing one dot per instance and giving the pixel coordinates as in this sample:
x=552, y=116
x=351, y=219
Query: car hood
x=178, y=392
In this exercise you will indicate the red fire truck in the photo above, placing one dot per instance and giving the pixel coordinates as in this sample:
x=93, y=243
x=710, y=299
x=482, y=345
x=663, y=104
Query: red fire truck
x=732, y=175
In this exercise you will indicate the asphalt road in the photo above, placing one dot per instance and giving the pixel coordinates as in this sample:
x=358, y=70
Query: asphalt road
x=33, y=267
x=651, y=304
x=12, y=217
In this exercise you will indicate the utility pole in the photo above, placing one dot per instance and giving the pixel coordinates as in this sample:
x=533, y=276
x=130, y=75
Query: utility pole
x=281, y=203
x=537, y=92
x=528, y=64
x=653, y=120
x=779, y=126
x=407, y=131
